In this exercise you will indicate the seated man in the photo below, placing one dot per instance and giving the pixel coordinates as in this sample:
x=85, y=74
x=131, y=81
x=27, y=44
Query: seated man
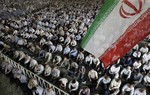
x=104, y=82
x=33, y=63
x=114, y=70
x=48, y=57
x=136, y=77
x=128, y=89
x=37, y=90
x=49, y=91
x=73, y=86
x=114, y=86
x=126, y=73
x=22, y=78
x=93, y=75
x=8, y=68
x=32, y=83
x=47, y=70
x=84, y=91
x=146, y=79
x=27, y=59
x=63, y=82
x=140, y=91
x=57, y=59
x=39, y=69
x=55, y=73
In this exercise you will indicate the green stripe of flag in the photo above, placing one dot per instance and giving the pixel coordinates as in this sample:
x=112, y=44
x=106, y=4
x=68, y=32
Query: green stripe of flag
x=106, y=9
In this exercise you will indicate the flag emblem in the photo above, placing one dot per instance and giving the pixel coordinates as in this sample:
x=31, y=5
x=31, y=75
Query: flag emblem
x=127, y=4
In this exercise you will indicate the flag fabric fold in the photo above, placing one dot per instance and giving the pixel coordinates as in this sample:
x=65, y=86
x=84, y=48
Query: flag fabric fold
x=119, y=26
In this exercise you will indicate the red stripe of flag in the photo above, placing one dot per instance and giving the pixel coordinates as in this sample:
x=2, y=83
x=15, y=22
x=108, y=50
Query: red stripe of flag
x=133, y=35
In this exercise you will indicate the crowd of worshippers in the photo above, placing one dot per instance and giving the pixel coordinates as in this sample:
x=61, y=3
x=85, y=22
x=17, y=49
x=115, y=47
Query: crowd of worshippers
x=49, y=42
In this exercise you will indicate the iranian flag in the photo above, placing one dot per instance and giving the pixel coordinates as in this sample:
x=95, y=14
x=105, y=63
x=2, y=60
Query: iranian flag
x=119, y=26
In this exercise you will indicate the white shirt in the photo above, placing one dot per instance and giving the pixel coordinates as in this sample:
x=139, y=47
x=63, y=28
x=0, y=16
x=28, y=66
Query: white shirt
x=114, y=70
x=146, y=67
x=88, y=59
x=137, y=65
x=50, y=92
x=48, y=55
x=57, y=59
x=126, y=72
x=144, y=49
x=20, y=42
x=27, y=59
x=64, y=81
x=42, y=41
x=146, y=57
x=73, y=43
x=66, y=50
x=47, y=70
x=104, y=80
x=137, y=54
x=39, y=90
x=73, y=86
x=16, y=54
x=114, y=84
x=23, y=78
x=93, y=74
x=22, y=55
x=55, y=72
x=52, y=48
x=58, y=48
x=126, y=88
x=137, y=92
x=146, y=79
x=32, y=83
x=39, y=69
x=67, y=40
x=80, y=56
x=33, y=62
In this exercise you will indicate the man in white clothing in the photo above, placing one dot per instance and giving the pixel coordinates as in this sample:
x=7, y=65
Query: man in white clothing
x=146, y=67
x=137, y=64
x=33, y=63
x=80, y=57
x=140, y=91
x=136, y=54
x=146, y=57
x=146, y=79
x=89, y=59
x=21, y=55
x=48, y=56
x=128, y=88
x=55, y=72
x=37, y=90
x=47, y=70
x=66, y=50
x=114, y=86
x=114, y=70
x=57, y=59
x=126, y=72
x=92, y=75
x=63, y=82
x=38, y=69
x=27, y=59
x=32, y=83
x=58, y=48
x=144, y=49
x=104, y=81
x=49, y=91
x=73, y=85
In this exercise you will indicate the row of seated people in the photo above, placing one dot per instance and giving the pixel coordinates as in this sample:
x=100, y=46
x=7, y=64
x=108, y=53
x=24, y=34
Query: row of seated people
x=63, y=81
